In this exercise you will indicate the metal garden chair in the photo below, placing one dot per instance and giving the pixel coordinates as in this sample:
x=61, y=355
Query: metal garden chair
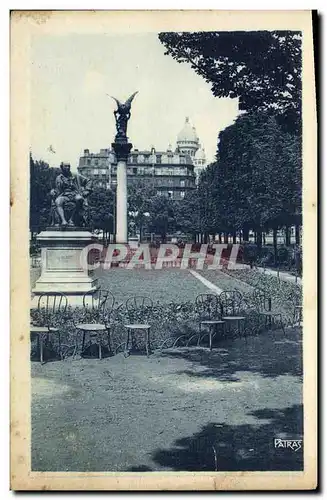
x=98, y=310
x=207, y=307
x=231, y=302
x=138, y=308
x=50, y=306
x=263, y=304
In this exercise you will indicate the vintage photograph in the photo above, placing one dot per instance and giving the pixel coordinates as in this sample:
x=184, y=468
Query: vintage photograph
x=165, y=246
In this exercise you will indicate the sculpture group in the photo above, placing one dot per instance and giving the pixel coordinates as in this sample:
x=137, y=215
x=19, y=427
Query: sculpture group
x=69, y=199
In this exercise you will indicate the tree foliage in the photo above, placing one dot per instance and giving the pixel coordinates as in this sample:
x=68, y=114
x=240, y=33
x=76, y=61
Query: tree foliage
x=101, y=209
x=162, y=212
x=255, y=182
x=260, y=68
x=42, y=179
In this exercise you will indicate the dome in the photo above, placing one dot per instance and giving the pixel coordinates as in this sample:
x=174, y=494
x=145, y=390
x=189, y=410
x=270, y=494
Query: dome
x=200, y=154
x=188, y=133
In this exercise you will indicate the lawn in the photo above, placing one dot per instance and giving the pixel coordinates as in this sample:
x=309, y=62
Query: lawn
x=164, y=285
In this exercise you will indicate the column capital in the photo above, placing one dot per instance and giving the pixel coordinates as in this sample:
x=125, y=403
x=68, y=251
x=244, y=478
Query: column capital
x=122, y=150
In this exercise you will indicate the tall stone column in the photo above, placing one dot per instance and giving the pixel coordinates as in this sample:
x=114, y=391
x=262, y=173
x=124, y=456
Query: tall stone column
x=122, y=149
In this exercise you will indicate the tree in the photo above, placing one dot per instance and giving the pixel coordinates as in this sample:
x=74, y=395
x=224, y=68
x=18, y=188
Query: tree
x=187, y=214
x=42, y=179
x=101, y=209
x=162, y=216
x=139, y=203
x=260, y=68
x=255, y=182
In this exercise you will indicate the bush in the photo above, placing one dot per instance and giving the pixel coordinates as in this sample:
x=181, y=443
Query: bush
x=284, y=294
x=250, y=253
x=166, y=320
x=168, y=323
x=267, y=256
x=284, y=255
x=35, y=248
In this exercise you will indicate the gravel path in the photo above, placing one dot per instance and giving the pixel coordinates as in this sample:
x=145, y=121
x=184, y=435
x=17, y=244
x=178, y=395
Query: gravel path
x=169, y=412
x=226, y=282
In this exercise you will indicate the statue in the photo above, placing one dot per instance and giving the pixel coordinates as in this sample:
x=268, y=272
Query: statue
x=122, y=115
x=70, y=189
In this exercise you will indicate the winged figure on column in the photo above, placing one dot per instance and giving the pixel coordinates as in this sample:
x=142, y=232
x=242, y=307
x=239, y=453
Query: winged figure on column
x=122, y=115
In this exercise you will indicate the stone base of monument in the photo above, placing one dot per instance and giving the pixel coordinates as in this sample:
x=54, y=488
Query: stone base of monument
x=64, y=265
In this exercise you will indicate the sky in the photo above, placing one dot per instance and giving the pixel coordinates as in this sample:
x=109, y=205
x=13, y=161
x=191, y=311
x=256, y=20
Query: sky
x=70, y=110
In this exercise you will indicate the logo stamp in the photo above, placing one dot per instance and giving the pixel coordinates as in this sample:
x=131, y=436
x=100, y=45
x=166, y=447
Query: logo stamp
x=291, y=444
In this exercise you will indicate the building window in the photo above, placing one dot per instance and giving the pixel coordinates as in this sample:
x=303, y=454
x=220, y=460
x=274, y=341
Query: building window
x=96, y=171
x=158, y=158
x=170, y=159
x=182, y=194
x=89, y=162
x=182, y=184
x=96, y=161
x=170, y=194
x=183, y=160
x=134, y=170
x=158, y=193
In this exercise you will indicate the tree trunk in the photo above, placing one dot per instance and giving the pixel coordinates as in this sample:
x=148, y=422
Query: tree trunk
x=259, y=239
x=220, y=240
x=264, y=238
x=287, y=236
x=226, y=238
x=245, y=234
x=275, y=245
x=297, y=235
x=234, y=237
x=141, y=228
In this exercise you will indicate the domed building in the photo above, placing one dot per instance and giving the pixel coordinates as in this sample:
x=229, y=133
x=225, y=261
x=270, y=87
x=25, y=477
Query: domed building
x=187, y=140
x=188, y=143
x=170, y=173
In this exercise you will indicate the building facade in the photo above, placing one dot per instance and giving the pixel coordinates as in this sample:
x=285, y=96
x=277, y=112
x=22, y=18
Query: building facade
x=170, y=173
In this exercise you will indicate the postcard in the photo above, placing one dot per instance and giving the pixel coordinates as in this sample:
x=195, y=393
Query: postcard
x=163, y=250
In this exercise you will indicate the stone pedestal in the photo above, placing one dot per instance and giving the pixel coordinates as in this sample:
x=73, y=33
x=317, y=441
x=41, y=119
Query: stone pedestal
x=63, y=268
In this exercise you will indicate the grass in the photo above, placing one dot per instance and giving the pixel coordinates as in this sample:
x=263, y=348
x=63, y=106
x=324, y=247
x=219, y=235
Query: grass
x=164, y=286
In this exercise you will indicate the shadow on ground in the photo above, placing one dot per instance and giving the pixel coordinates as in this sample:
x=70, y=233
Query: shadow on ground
x=223, y=447
x=273, y=356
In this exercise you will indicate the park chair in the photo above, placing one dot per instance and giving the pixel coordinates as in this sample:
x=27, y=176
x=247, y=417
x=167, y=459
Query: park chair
x=50, y=307
x=98, y=311
x=231, y=302
x=263, y=304
x=138, y=309
x=208, y=310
